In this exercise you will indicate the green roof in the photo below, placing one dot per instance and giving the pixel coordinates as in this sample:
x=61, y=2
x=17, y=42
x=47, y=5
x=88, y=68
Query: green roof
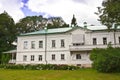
x=49, y=31
x=63, y=30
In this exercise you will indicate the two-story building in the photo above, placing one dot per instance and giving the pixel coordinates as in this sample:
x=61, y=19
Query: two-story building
x=71, y=45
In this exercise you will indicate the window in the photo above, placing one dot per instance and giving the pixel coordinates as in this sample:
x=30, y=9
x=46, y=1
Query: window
x=62, y=56
x=40, y=57
x=62, y=43
x=25, y=44
x=119, y=39
x=24, y=58
x=33, y=44
x=32, y=57
x=104, y=41
x=53, y=43
x=94, y=41
x=78, y=44
x=40, y=44
x=53, y=56
x=78, y=56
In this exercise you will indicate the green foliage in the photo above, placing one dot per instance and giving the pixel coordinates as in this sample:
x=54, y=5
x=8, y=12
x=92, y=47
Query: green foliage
x=73, y=21
x=35, y=23
x=109, y=14
x=7, y=33
x=5, y=58
x=30, y=24
x=56, y=22
x=106, y=60
x=39, y=67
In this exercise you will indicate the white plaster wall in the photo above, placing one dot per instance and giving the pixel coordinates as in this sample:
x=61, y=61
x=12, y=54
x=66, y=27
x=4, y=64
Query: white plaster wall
x=99, y=36
x=69, y=58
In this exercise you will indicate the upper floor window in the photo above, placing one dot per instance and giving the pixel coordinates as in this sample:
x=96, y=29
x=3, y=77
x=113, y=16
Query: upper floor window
x=78, y=44
x=40, y=44
x=53, y=43
x=62, y=43
x=62, y=56
x=25, y=44
x=32, y=57
x=33, y=44
x=40, y=57
x=53, y=56
x=94, y=41
x=119, y=39
x=78, y=56
x=104, y=41
x=24, y=57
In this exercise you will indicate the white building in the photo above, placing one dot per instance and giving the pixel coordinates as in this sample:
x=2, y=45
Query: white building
x=70, y=45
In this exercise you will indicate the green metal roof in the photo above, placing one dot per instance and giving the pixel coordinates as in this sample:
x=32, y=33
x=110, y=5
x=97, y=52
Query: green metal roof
x=63, y=30
x=48, y=31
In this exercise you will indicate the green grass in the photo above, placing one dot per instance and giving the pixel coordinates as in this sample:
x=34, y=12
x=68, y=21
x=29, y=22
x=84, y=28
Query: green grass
x=84, y=74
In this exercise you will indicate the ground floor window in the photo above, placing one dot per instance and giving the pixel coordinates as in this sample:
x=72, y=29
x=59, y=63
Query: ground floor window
x=62, y=56
x=53, y=56
x=78, y=56
x=40, y=57
x=32, y=57
x=24, y=57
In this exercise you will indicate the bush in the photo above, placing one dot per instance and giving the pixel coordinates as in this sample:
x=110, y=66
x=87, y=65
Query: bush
x=39, y=67
x=106, y=60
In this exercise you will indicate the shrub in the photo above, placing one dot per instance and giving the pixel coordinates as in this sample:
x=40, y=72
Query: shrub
x=106, y=60
x=39, y=67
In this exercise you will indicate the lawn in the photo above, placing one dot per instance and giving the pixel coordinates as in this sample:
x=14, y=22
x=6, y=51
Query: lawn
x=84, y=74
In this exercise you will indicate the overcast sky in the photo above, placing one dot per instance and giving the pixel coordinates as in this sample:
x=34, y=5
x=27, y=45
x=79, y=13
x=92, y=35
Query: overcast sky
x=82, y=9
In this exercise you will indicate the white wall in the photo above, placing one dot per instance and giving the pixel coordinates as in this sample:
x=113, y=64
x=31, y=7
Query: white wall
x=70, y=57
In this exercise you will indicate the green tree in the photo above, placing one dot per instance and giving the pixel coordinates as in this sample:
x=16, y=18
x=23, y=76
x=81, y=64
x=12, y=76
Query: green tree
x=30, y=24
x=106, y=60
x=7, y=32
x=56, y=22
x=73, y=22
x=109, y=15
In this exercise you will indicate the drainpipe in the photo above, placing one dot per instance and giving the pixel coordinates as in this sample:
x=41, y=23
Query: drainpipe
x=45, y=45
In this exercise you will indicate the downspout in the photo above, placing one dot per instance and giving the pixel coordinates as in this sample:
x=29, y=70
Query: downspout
x=45, y=45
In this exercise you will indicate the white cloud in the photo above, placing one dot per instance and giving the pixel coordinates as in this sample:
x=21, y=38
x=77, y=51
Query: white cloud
x=13, y=8
x=84, y=11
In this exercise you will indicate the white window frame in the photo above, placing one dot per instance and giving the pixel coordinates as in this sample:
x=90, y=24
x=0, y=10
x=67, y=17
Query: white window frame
x=40, y=44
x=32, y=44
x=62, y=56
x=53, y=43
x=25, y=44
x=104, y=40
x=32, y=57
x=24, y=57
x=62, y=43
x=39, y=57
x=53, y=56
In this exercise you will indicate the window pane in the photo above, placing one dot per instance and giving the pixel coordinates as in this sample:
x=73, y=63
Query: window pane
x=78, y=56
x=33, y=44
x=32, y=57
x=53, y=43
x=62, y=43
x=25, y=44
x=119, y=39
x=104, y=41
x=94, y=41
x=53, y=56
x=40, y=58
x=62, y=56
x=24, y=58
x=40, y=44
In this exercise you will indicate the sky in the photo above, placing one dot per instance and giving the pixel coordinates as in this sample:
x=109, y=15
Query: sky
x=82, y=9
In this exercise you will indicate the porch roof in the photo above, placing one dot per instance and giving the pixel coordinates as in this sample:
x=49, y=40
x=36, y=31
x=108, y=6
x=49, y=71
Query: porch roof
x=11, y=51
